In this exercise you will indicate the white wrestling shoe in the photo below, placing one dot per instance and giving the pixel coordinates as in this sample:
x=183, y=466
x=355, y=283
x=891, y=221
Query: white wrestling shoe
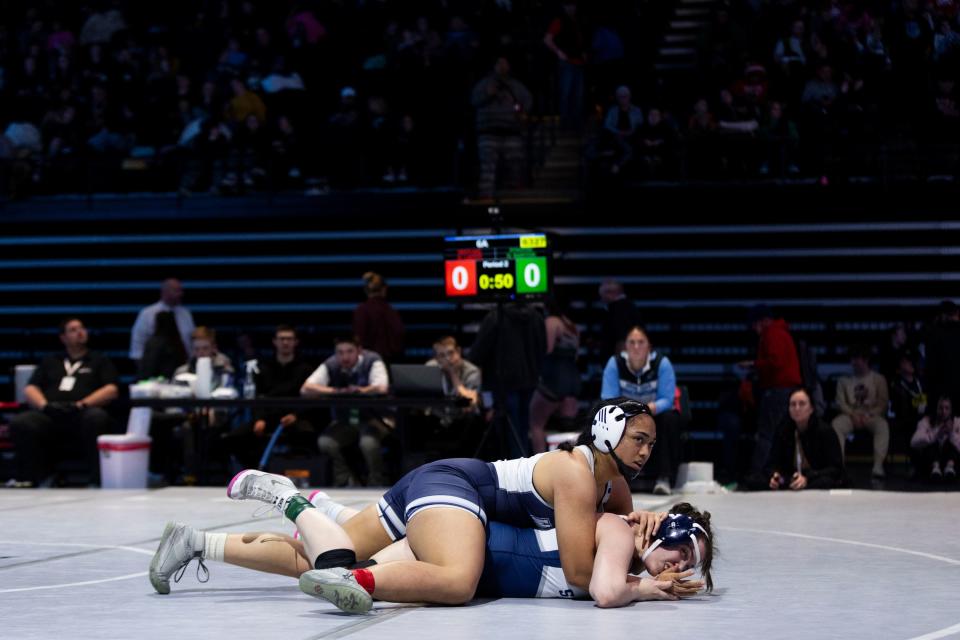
x=270, y=488
x=337, y=586
x=179, y=545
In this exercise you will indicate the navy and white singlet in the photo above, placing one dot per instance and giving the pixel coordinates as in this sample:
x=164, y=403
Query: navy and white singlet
x=499, y=491
x=523, y=563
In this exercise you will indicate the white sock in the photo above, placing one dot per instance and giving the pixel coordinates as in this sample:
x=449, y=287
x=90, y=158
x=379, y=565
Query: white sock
x=332, y=510
x=214, y=545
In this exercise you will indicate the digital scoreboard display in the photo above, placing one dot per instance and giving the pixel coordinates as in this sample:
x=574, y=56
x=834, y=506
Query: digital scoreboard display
x=497, y=267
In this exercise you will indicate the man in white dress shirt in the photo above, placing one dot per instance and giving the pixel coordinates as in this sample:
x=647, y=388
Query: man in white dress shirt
x=171, y=296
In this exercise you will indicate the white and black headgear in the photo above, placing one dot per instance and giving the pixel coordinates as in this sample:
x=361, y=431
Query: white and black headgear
x=610, y=421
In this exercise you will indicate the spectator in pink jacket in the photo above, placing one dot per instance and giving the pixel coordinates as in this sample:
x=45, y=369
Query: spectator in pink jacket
x=936, y=443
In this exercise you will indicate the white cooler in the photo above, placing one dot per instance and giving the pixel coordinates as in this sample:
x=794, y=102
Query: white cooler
x=124, y=460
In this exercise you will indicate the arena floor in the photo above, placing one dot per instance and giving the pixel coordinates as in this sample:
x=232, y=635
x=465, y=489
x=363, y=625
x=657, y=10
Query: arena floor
x=845, y=564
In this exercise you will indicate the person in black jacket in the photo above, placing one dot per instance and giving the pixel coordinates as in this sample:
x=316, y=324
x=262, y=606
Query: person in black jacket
x=805, y=453
x=164, y=350
x=510, y=351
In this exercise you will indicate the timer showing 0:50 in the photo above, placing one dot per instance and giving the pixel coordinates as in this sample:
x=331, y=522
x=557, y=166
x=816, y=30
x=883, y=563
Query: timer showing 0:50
x=497, y=281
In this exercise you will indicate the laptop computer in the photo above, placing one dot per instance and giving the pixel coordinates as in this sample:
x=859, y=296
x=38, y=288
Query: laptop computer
x=417, y=380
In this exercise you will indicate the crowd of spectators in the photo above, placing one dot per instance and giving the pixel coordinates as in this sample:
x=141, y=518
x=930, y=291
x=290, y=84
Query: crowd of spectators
x=236, y=95
x=807, y=87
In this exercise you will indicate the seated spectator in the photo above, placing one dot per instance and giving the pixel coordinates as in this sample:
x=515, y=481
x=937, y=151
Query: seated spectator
x=640, y=373
x=343, y=132
x=244, y=103
x=279, y=377
x=205, y=423
x=203, y=344
x=862, y=401
x=788, y=52
x=946, y=42
x=943, y=351
x=701, y=157
x=805, y=453
x=734, y=117
x=405, y=164
x=461, y=378
x=501, y=102
x=908, y=402
x=288, y=154
x=379, y=134
x=656, y=145
x=738, y=124
x=944, y=124
x=67, y=395
x=819, y=100
x=936, y=443
x=891, y=350
x=251, y=153
x=621, y=127
x=352, y=369
x=778, y=135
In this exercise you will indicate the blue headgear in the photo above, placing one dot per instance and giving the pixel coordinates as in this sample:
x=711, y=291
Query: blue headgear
x=678, y=529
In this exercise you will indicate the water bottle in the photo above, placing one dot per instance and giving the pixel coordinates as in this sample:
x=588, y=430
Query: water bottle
x=249, y=382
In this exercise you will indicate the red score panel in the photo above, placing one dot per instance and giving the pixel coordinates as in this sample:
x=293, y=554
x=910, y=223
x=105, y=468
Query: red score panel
x=461, y=277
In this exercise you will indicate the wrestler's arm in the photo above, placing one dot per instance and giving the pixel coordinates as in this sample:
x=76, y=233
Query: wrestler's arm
x=574, y=500
x=609, y=585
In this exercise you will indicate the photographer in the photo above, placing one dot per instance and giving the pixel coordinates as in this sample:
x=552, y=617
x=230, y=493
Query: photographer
x=67, y=393
x=500, y=101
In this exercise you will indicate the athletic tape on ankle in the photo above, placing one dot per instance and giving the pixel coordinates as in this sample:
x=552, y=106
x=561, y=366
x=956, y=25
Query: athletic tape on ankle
x=213, y=546
x=295, y=506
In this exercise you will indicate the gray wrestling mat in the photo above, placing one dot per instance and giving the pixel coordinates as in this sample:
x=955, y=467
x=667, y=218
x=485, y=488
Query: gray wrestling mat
x=846, y=564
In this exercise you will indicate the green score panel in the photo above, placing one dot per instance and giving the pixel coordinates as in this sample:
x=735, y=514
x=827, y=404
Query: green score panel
x=531, y=275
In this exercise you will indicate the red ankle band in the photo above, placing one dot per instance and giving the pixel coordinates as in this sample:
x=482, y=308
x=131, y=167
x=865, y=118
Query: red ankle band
x=365, y=579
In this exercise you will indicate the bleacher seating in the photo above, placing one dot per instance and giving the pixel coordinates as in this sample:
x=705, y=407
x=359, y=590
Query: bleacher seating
x=838, y=275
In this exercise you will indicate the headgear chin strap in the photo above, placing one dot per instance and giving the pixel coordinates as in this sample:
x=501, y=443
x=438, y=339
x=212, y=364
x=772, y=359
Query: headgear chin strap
x=674, y=531
x=625, y=470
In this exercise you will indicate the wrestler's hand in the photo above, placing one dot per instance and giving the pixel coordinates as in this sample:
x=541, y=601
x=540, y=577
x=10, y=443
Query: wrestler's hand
x=680, y=587
x=648, y=589
x=647, y=524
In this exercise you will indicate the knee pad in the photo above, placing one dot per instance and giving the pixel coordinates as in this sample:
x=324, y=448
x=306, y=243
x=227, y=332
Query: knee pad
x=335, y=558
x=363, y=564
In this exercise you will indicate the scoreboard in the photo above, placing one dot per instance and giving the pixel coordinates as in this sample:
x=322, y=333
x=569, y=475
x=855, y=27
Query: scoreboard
x=497, y=267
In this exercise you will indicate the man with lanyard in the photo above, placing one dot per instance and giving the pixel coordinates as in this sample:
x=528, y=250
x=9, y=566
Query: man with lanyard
x=67, y=393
